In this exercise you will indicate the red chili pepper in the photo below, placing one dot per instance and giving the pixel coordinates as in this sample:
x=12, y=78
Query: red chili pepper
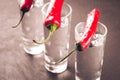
x=53, y=18
x=89, y=31
x=24, y=7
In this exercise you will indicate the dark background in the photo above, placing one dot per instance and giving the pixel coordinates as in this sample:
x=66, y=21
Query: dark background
x=15, y=64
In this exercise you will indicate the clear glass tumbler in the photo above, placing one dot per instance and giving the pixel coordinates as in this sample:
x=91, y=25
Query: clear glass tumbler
x=58, y=45
x=33, y=30
x=88, y=63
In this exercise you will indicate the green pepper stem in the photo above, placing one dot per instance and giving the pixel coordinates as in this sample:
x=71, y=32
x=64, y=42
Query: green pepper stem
x=46, y=40
x=23, y=13
x=52, y=30
x=66, y=56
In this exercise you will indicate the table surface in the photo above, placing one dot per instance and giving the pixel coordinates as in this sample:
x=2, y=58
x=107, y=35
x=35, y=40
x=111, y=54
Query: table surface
x=15, y=64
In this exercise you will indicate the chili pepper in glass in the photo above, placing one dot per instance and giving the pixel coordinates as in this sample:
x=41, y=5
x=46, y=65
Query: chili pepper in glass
x=25, y=6
x=89, y=30
x=89, y=62
x=31, y=28
x=53, y=19
x=58, y=45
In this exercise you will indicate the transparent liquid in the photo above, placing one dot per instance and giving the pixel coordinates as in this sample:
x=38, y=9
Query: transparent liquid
x=88, y=64
x=57, y=48
x=32, y=28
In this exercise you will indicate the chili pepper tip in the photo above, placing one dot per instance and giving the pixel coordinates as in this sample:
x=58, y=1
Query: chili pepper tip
x=34, y=41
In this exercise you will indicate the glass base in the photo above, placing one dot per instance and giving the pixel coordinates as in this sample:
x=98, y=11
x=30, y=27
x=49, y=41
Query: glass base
x=78, y=78
x=34, y=50
x=59, y=68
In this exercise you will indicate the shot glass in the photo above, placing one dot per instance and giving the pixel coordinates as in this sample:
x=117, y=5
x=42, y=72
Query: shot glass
x=88, y=63
x=33, y=30
x=58, y=45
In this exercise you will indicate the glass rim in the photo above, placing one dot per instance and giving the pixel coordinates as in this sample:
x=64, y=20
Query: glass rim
x=104, y=26
x=69, y=13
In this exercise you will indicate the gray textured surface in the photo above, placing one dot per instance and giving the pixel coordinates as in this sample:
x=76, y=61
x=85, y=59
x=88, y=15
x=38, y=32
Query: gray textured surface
x=15, y=64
